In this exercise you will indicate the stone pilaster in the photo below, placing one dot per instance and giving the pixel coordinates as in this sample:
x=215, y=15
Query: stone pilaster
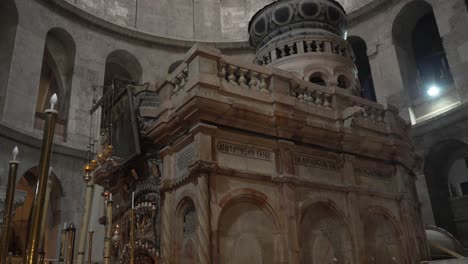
x=166, y=241
x=203, y=215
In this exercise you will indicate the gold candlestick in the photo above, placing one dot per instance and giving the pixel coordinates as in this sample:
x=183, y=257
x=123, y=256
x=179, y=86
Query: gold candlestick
x=132, y=231
x=90, y=246
x=38, y=208
x=62, y=244
x=10, y=197
x=71, y=244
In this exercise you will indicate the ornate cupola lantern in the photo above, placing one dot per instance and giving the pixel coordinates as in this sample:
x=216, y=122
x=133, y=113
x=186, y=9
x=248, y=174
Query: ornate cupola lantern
x=307, y=38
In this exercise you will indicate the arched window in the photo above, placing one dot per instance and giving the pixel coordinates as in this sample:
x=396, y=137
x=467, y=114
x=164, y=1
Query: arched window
x=58, y=63
x=343, y=82
x=8, y=25
x=364, y=70
x=317, y=78
x=423, y=63
x=429, y=55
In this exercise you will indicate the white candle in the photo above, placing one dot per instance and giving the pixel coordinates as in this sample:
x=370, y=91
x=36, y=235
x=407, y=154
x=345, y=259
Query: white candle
x=110, y=197
x=133, y=200
x=64, y=225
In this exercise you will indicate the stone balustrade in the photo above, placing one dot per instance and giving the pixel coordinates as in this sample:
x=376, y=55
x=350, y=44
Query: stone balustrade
x=312, y=94
x=207, y=72
x=304, y=46
x=243, y=76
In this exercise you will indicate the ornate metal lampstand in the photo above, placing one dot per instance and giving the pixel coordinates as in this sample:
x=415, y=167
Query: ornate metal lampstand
x=8, y=207
x=38, y=208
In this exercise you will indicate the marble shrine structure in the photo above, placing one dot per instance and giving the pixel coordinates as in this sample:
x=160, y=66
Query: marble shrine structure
x=280, y=161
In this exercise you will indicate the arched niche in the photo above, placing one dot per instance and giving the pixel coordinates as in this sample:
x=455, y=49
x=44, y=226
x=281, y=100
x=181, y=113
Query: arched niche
x=443, y=164
x=247, y=234
x=186, y=233
x=8, y=26
x=364, y=69
x=22, y=215
x=381, y=238
x=121, y=64
x=58, y=64
x=324, y=236
x=420, y=52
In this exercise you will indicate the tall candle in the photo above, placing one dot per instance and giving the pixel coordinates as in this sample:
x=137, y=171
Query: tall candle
x=133, y=200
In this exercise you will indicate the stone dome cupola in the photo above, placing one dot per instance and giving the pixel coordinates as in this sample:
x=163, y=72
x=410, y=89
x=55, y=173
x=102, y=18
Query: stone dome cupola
x=306, y=38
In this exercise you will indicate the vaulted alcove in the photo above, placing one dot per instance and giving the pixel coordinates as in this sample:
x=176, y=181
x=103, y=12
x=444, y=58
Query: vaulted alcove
x=8, y=25
x=56, y=77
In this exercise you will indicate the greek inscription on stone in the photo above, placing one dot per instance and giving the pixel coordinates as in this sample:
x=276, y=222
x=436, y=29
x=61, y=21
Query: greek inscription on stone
x=315, y=162
x=373, y=173
x=244, y=151
x=184, y=158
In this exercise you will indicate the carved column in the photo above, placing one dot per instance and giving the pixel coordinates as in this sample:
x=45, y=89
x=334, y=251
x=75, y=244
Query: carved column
x=203, y=215
x=167, y=229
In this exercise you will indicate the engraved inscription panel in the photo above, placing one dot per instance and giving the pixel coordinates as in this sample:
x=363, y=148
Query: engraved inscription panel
x=183, y=159
x=244, y=151
x=373, y=173
x=316, y=163
x=245, y=157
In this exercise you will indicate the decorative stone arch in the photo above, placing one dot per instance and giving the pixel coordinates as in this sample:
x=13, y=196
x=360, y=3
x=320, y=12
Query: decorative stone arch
x=185, y=232
x=257, y=206
x=333, y=245
x=21, y=220
x=316, y=71
x=341, y=72
x=57, y=70
x=8, y=27
x=438, y=161
x=383, y=245
x=123, y=65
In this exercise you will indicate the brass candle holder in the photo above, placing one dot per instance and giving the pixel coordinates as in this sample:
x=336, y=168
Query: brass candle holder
x=63, y=244
x=38, y=207
x=10, y=197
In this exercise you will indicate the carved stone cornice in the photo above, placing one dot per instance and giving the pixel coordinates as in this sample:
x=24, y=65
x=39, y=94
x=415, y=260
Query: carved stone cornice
x=195, y=169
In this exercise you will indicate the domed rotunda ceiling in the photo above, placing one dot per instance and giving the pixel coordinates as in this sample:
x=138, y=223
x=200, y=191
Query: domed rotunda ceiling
x=204, y=20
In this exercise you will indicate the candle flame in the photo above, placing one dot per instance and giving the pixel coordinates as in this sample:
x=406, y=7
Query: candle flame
x=53, y=101
x=15, y=153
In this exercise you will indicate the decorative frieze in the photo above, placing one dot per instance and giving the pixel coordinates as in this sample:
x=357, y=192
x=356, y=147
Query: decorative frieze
x=362, y=171
x=314, y=162
x=244, y=151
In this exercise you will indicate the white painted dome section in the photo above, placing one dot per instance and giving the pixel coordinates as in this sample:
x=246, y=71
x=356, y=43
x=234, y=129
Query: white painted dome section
x=201, y=20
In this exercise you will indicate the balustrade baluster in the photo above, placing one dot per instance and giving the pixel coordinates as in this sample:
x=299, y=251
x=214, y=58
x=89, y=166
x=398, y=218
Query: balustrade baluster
x=232, y=79
x=263, y=84
x=222, y=70
x=242, y=80
x=253, y=80
x=282, y=51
